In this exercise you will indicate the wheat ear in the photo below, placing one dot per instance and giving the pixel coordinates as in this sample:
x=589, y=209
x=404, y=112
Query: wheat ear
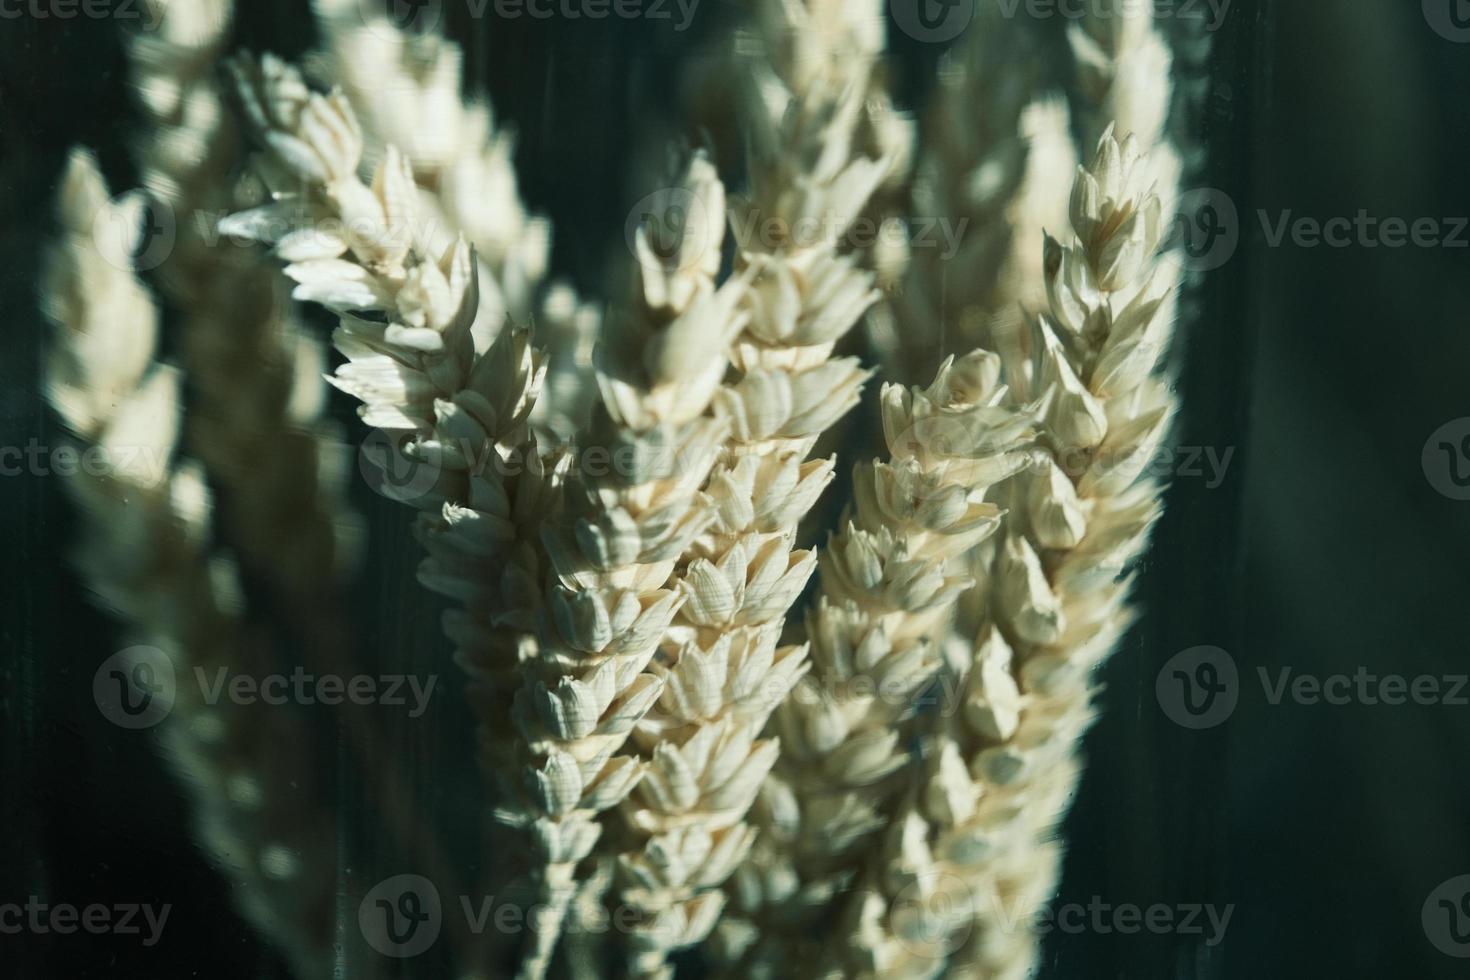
x=724, y=672
x=810, y=180
x=1005, y=768
x=406, y=91
x=147, y=554
x=459, y=419
x=890, y=581
x=615, y=546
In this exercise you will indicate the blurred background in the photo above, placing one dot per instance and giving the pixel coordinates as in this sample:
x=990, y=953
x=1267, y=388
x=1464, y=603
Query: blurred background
x=1323, y=544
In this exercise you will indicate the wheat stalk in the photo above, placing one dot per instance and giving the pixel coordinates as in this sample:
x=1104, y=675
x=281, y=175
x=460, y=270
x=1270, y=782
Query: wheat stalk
x=146, y=552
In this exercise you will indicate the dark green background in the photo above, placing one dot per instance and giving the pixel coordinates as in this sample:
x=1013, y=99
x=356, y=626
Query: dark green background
x=1325, y=549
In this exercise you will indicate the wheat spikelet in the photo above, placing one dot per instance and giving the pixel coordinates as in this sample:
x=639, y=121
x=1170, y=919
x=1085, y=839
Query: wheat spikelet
x=146, y=552
x=405, y=89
